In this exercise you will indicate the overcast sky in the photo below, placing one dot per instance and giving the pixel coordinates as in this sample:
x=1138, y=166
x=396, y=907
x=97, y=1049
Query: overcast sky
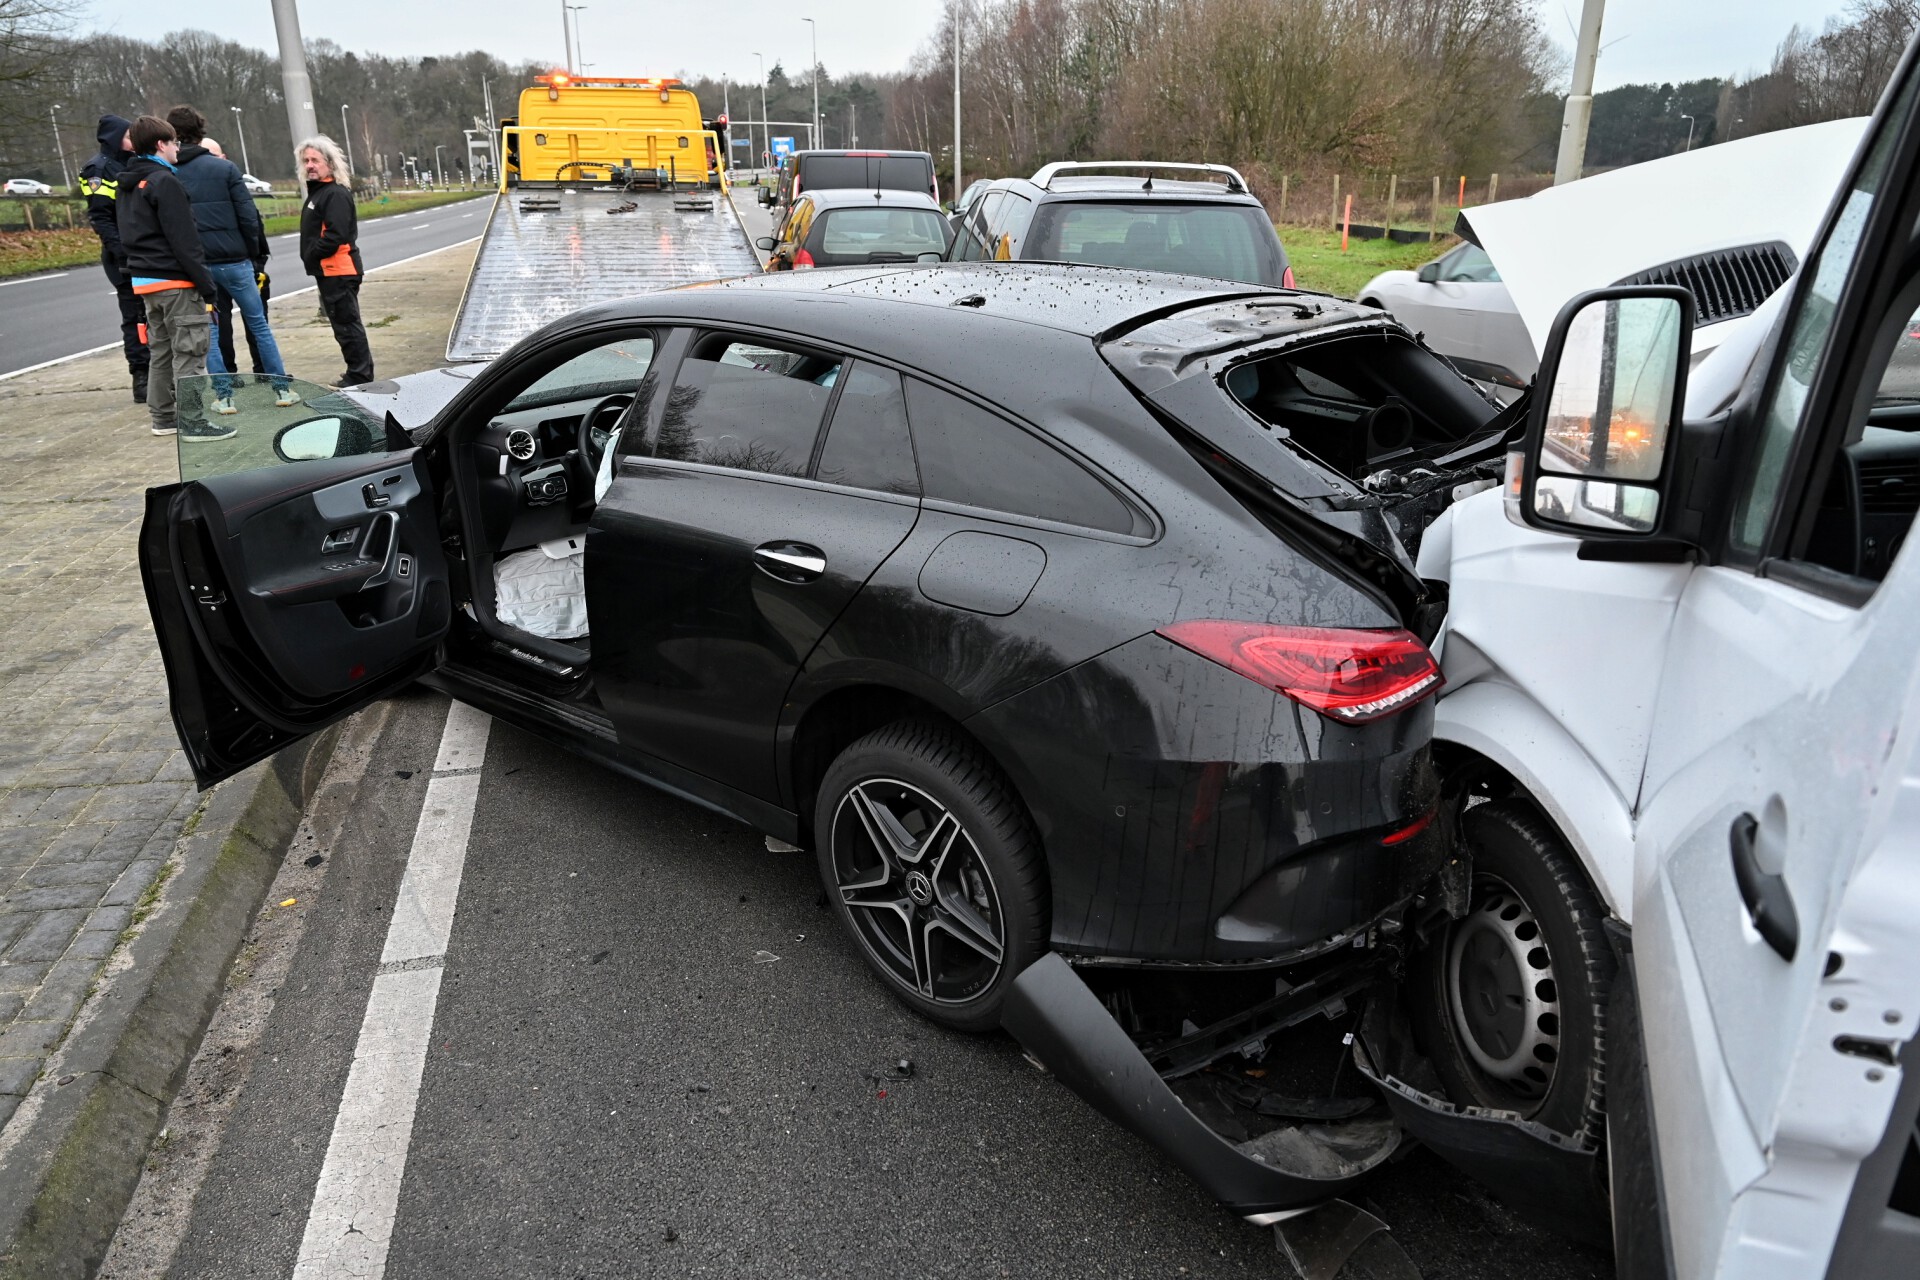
x=1643, y=39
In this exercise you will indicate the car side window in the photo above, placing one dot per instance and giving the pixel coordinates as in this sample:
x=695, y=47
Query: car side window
x=1010, y=226
x=742, y=403
x=973, y=234
x=979, y=459
x=1469, y=264
x=867, y=445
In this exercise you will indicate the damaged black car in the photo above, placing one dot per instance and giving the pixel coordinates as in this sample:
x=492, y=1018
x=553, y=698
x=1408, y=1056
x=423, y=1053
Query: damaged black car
x=1066, y=614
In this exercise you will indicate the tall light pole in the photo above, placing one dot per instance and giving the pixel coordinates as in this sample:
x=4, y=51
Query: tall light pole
x=579, y=46
x=1689, y=120
x=294, y=80
x=241, y=129
x=346, y=136
x=66, y=174
x=1579, y=112
x=439, y=166
x=566, y=34
x=766, y=130
x=956, y=103
x=815, y=75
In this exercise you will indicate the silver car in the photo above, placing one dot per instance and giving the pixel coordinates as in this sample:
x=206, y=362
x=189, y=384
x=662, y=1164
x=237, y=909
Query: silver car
x=1465, y=313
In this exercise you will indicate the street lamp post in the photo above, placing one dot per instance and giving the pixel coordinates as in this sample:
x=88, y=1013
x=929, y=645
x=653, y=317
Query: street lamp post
x=815, y=29
x=240, y=128
x=1689, y=120
x=766, y=130
x=956, y=105
x=66, y=174
x=439, y=169
x=566, y=34
x=579, y=45
x=346, y=136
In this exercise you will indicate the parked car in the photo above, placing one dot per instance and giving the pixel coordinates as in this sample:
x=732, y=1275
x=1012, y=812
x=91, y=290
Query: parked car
x=841, y=228
x=27, y=187
x=974, y=191
x=258, y=186
x=1458, y=303
x=1203, y=223
x=822, y=170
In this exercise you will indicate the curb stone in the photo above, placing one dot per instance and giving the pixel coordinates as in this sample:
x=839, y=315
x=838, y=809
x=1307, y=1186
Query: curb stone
x=73, y=1153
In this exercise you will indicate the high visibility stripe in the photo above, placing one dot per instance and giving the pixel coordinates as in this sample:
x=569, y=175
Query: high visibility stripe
x=161, y=286
x=101, y=187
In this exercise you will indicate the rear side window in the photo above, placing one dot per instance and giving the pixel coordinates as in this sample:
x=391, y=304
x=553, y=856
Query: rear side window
x=1219, y=241
x=971, y=245
x=867, y=444
x=979, y=459
x=739, y=403
x=899, y=173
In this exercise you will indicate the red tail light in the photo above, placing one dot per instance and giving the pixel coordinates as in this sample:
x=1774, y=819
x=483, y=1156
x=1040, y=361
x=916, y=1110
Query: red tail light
x=801, y=258
x=1286, y=279
x=1348, y=675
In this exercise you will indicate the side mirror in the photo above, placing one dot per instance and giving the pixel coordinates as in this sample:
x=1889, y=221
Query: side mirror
x=1602, y=437
x=928, y=256
x=307, y=441
x=765, y=243
x=1428, y=274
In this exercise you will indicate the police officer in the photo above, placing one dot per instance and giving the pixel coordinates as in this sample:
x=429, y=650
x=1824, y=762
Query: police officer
x=100, y=182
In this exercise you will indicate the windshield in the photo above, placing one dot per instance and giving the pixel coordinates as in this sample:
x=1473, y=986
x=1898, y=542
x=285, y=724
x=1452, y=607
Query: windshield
x=1219, y=241
x=843, y=236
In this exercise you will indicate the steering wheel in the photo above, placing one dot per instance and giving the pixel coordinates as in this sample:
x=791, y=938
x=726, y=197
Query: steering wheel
x=592, y=441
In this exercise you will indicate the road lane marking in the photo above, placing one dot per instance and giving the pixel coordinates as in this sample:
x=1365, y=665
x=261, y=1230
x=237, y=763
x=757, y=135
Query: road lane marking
x=422, y=226
x=291, y=293
x=357, y=1197
x=30, y=279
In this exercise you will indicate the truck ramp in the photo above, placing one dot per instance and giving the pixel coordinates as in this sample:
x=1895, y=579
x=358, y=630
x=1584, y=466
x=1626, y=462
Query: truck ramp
x=548, y=251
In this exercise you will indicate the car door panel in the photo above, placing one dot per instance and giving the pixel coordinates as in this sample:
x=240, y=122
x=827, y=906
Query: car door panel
x=288, y=597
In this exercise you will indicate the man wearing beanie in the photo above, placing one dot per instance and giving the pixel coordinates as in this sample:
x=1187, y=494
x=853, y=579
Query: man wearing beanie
x=100, y=183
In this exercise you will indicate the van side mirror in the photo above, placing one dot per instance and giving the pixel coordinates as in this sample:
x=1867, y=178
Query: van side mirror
x=1604, y=431
x=1428, y=274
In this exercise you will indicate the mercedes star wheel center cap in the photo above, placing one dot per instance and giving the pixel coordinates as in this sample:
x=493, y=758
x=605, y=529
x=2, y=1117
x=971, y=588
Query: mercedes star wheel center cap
x=919, y=888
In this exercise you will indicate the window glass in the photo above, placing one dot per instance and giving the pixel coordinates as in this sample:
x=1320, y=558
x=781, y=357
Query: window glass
x=898, y=173
x=830, y=173
x=1219, y=241
x=1010, y=231
x=867, y=445
x=971, y=456
x=973, y=236
x=1469, y=264
x=845, y=236
x=739, y=403
x=612, y=367
x=246, y=421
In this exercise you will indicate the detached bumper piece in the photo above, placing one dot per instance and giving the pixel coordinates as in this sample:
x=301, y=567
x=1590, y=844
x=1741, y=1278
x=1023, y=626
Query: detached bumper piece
x=1062, y=1023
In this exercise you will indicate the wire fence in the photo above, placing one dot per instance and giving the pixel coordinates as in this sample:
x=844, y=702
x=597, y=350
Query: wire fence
x=1376, y=204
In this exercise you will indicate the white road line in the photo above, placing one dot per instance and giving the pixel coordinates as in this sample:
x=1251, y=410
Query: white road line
x=30, y=279
x=357, y=1197
x=291, y=293
x=422, y=226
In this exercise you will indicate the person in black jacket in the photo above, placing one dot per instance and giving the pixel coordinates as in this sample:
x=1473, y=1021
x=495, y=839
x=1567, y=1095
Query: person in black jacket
x=168, y=271
x=235, y=243
x=100, y=183
x=328, y=230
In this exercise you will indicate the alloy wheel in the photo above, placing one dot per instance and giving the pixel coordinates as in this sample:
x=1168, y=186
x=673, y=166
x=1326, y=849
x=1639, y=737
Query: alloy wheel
x=1501, y=992
x=917, y=891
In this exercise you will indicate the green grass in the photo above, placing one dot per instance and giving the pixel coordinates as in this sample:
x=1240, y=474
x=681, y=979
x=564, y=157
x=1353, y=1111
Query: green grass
x=1319, y=264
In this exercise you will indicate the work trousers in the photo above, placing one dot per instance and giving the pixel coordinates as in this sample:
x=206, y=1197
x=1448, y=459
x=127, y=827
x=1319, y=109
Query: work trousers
x=340, y=299
x=133, y=313
x=178, y=333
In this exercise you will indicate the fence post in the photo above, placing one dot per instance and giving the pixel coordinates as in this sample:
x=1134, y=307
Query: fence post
x=1336, y=199
x=1393, y=198
x=27, y=209
x=1461, y=203
x=1493, y=188
x=1283, y=196
x=1433, y=212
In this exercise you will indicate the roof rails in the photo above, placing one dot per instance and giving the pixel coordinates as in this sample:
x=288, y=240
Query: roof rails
x=1047, y=173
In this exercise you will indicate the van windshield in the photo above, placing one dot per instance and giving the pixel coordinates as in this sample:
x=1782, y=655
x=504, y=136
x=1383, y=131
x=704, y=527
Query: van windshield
x=845, y=236
x=1219, y=241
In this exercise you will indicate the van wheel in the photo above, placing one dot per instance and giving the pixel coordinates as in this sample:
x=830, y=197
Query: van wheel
x=931, y=864
x=1509, y=1001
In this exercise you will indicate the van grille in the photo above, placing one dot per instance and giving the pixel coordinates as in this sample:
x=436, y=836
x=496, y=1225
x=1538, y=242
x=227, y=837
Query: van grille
x=1891, y=487
x=1726, y=284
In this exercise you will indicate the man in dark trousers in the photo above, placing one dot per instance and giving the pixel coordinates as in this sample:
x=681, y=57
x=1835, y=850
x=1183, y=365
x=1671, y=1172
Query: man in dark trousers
x=168, y=271
x=328, y=230
x=100, y=183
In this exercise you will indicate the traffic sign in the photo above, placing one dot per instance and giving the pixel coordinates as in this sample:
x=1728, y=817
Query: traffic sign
x=782, y=148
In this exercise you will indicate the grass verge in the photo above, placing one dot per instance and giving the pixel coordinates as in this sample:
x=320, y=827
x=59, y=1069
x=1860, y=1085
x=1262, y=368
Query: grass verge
x=24, y=252
x=1319, y=264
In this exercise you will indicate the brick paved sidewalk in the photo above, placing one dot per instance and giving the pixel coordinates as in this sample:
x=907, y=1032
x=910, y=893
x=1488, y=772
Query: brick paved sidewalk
x=93, y=787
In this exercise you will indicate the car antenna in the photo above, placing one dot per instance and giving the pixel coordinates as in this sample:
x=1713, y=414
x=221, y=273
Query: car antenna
x=1148, y=184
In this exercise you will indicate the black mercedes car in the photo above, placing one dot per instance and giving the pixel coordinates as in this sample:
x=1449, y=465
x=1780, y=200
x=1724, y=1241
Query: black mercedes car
x=1054, y=608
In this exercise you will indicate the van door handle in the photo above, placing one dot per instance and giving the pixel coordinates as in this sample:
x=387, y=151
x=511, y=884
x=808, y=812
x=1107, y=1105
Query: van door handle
x=1769, y=901
x=790, y=561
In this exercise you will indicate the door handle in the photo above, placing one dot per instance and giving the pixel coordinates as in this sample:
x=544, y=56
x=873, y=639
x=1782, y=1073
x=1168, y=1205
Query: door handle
x=790, y=561
x=1769, y=901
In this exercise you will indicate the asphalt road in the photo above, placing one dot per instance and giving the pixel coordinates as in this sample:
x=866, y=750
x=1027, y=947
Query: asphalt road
x=619, y=1081
x=64, y=313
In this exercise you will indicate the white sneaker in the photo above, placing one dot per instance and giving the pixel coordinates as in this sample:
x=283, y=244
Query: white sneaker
x=287, y=398
x=224, y=405
x=169, y=429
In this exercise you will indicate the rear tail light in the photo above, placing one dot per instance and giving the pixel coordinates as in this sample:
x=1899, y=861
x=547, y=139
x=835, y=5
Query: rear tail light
x=1286, y=278
x=801, y=258
x=1347, y=675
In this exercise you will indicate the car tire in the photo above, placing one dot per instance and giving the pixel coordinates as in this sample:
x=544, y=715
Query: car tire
x=932, y=866
x=1509, y=1001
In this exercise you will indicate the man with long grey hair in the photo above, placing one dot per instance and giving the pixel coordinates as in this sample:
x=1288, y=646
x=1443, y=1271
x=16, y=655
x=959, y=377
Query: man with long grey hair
x=328, y=231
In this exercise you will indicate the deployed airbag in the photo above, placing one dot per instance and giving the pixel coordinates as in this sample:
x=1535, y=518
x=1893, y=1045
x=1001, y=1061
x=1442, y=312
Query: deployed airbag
x=543, y=590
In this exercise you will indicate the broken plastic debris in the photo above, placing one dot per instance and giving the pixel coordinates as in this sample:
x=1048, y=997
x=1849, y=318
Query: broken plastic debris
x=403, y=773
x=289, y=902
x=315, y=860
x=765, y=957
x=903, y=1067
x=799, y=937
x=883, y=1093
x=599, y=957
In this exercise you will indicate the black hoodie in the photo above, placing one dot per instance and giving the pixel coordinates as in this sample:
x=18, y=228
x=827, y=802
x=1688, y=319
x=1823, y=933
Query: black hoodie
x=100, y=181
x=157, y=228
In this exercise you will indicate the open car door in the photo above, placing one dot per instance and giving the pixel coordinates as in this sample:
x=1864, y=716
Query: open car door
x=294, y=575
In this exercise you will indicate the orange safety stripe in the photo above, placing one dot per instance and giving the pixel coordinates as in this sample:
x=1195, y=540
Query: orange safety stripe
x=161, y=286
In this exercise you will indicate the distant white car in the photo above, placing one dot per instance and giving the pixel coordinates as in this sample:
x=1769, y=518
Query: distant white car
x=27, y=187
x=257, y=186
x=1466, y=314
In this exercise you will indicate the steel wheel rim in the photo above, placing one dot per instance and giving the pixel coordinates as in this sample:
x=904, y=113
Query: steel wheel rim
x=1502, y=995
x=919, y=895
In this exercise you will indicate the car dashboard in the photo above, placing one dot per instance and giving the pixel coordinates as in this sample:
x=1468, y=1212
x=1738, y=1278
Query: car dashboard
x=532, y=482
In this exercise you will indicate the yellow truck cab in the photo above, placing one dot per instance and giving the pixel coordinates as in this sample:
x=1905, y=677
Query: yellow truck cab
x=585, y=128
